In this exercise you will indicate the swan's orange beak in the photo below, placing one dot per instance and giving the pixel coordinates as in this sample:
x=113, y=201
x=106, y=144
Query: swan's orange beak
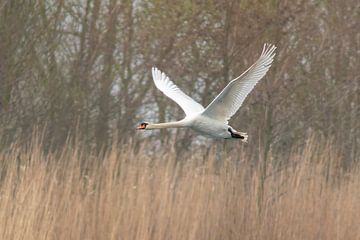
x=142, y=126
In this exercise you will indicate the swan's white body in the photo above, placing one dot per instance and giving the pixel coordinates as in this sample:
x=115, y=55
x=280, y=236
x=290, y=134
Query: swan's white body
x=210, y=127
x=212, y=121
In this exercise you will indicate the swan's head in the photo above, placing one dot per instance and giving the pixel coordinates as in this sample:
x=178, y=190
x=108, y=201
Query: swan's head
x=142, y=126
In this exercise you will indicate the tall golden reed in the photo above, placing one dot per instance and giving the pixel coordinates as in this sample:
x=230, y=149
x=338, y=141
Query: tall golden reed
x=130, y=195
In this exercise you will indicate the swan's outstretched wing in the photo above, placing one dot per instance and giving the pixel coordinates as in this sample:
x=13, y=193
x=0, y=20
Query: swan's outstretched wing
x=165, y=85
x=225, y=105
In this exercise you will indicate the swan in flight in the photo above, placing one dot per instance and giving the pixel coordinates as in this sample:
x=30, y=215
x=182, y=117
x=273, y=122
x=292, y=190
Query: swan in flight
x=212, y=121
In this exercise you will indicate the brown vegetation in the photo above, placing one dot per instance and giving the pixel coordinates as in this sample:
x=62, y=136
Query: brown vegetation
x=85, y=66
x=143, y=195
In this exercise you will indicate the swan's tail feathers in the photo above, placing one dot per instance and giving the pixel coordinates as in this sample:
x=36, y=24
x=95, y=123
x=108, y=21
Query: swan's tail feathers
x=243, y=136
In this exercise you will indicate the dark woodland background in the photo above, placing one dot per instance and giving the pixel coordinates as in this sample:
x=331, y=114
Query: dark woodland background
x=82, y=68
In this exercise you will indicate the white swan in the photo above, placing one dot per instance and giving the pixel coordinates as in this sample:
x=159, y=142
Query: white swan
x=213, y=120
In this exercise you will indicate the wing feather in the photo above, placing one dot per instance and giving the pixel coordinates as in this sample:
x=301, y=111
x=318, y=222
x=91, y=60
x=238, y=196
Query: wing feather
x=226, y=104
x=165, y=85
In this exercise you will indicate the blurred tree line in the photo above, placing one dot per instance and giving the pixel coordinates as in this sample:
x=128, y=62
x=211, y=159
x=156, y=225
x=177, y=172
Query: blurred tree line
x=84, y=67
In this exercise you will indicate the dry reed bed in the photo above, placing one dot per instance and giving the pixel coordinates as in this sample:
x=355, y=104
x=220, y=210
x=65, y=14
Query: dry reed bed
x=127, y=195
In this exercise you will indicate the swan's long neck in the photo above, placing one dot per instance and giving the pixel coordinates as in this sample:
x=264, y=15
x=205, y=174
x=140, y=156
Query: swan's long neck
x=177, y=124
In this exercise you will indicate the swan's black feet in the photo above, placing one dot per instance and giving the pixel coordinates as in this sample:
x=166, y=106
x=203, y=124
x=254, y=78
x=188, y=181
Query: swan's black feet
x=235, y=134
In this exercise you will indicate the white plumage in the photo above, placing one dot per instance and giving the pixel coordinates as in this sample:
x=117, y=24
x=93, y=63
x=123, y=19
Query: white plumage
x=163, y=83
x=213, y=120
